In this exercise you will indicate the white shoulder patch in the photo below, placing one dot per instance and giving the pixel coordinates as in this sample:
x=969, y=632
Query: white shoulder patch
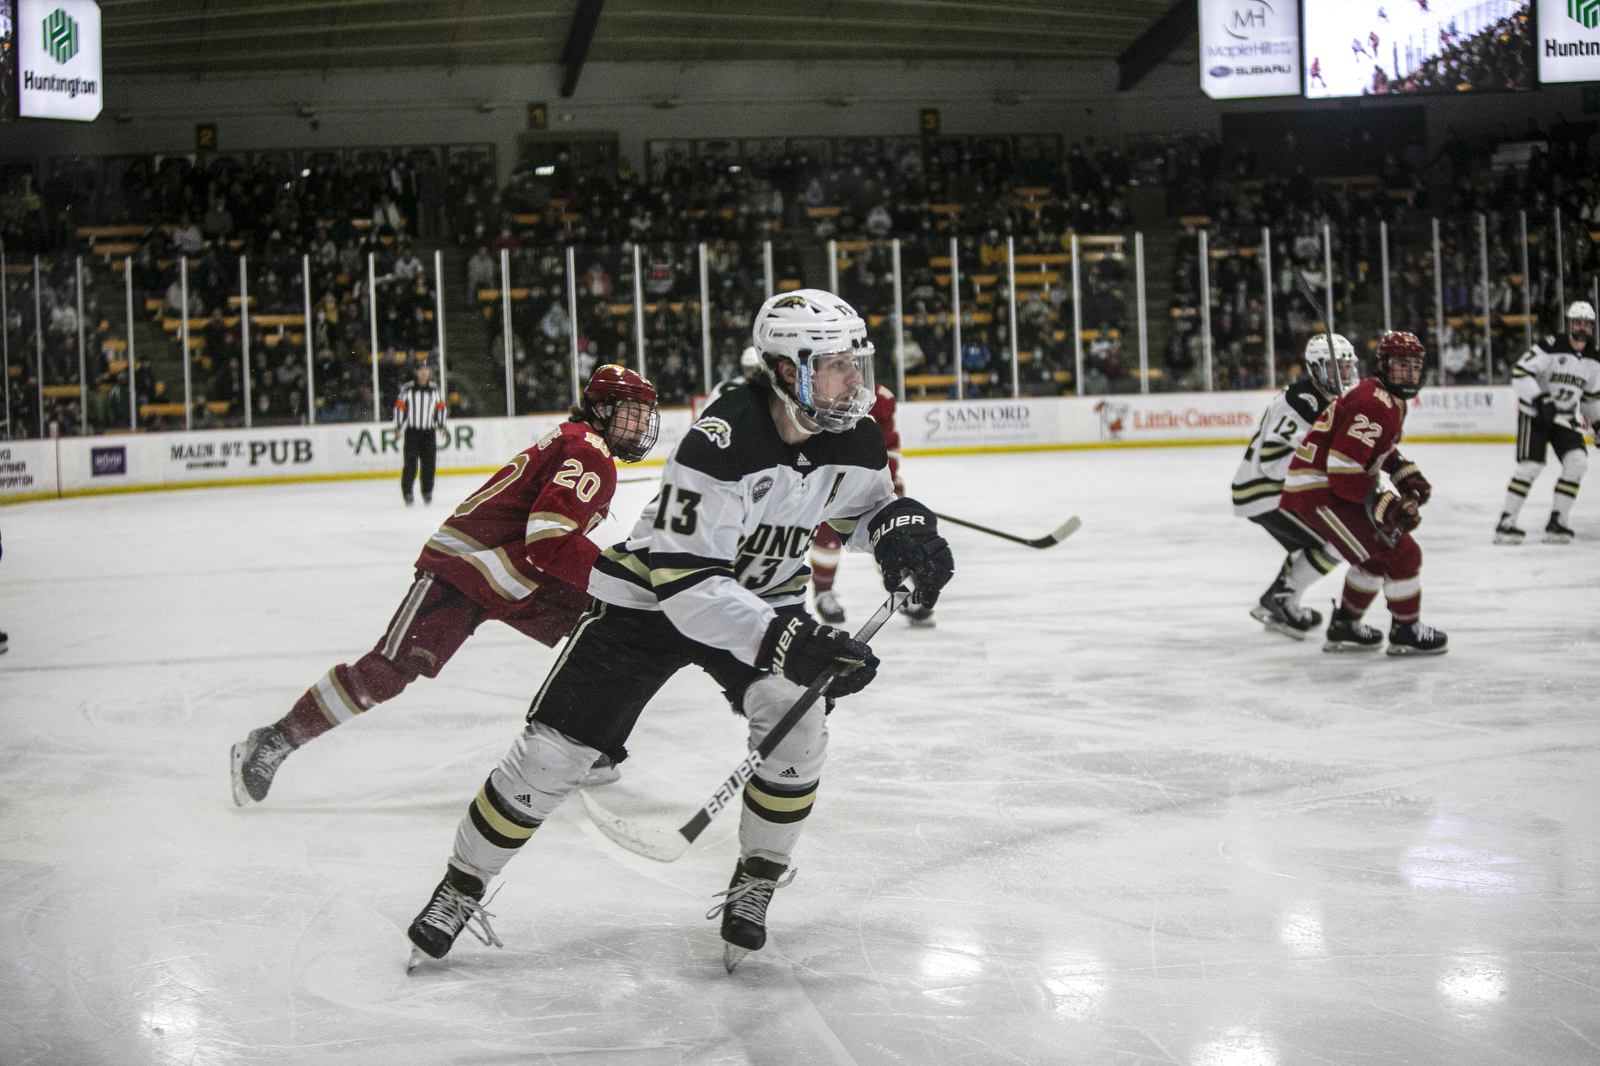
x=717, y=429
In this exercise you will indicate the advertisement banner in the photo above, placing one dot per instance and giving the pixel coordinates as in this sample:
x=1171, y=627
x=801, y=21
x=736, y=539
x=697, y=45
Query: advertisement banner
x=27, y=470
x=1569, y=40
x=1249, y=48
x=58, y=59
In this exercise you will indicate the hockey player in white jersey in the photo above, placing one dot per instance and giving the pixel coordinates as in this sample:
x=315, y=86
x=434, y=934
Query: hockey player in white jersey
x=1258, y=484
x=1554, y=382
x=714, y=574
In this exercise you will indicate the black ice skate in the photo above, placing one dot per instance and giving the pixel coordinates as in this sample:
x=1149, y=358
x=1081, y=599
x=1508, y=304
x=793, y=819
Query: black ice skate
x=744, y=906
x=1346, y=632
x=829, y=609
x=1277, y=611
x=1414, y=638
x=455, y=905
x=1557, y=533
x=255, y=760
x=1507, y=532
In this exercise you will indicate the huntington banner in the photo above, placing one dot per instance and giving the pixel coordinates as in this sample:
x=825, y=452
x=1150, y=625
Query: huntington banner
x=58, y=59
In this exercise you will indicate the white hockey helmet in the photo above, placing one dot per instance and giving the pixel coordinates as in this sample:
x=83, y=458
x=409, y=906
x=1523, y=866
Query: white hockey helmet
x=1334, y=370
x=824, y=339
x=1580, y=309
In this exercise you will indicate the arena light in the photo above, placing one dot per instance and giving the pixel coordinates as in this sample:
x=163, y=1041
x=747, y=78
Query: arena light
x=545, y=171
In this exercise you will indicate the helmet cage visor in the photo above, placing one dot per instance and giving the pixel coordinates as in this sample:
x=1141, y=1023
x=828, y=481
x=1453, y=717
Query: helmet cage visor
x=835, y=389
x=631, y=428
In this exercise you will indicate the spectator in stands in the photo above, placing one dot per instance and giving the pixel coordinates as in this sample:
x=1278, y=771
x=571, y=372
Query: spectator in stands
x=386, y=221
x=407, y=267
x=218, y=221
x=186, y=238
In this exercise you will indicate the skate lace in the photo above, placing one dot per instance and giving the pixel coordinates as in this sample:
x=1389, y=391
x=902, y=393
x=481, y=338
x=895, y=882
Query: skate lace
x=1421, y=632
x=271, y=752
x=748, y=899
x=453, y=911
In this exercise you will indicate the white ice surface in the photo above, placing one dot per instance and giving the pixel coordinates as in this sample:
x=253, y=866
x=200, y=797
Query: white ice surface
x=1097, y=816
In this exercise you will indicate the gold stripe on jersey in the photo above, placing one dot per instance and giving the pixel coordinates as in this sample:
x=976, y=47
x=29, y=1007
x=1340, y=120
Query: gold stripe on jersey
x=797, y=583
x=844, y=526
x=493, y=564
x=452, y=541
x=1342, y=532
x=626, y=565
x=1341, y=462
x=1257, y=490
x=543, y=524
x=1305, y=481
x=668, y=581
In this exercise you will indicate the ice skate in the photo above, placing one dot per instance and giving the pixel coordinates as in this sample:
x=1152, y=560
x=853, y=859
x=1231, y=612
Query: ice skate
x=1278, y=612
x=255, y=760
x=1346, y=632
x=2, y=642
x=1556, y=532
x=1507, y=532
x=919, y=616
x=427, y=497
x=455, y=905
x=829, y=609
x=744, y=906
x=1414, y=638
x=603, y=772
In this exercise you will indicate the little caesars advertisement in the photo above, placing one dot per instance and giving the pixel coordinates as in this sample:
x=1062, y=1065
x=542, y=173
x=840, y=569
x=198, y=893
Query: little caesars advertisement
x=1249, y=48
x=58, y=59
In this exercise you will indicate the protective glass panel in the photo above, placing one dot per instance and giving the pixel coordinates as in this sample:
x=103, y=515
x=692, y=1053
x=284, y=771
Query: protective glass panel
x=926, y=303
x=541, y=330
x=866, y=281
x=1411, y=291
x=672, y=321
x=605, y=308
x=1044, y=314
x=21, y=327
x=736, y=286
x=1110, y=349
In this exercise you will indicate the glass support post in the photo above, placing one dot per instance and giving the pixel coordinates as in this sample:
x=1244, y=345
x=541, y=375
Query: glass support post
x=1383, y=248
x=572, y=317
x=1527, y=302
x=638, y=310
x=1438, y=301
x=183, y=343
x=438, y=314
x=955, y=314
x=833, y=266
x=1266, y=288
x=705, y=318
x=1488, y=309
x=505, y=329
x=133, y=386
x=83, y=360
x=311, y=370
x=1205, y=309
x=372, y=326
x=1011, y=302
x=244, y=335
x=899, y=320
x=1139, y=309
x=1077, y=317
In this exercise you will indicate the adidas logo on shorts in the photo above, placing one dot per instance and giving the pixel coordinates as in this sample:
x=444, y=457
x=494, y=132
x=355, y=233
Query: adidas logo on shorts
x=790, y=772
x=525, y=799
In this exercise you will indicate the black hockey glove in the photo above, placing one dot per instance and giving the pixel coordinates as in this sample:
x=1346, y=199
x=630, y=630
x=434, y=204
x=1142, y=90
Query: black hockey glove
x=1544, y=409
x=799, y=649
x=1409, y=480
x=905, y=539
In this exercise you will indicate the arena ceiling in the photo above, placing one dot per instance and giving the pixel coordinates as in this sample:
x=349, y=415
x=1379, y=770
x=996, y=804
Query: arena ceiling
x=200, y=36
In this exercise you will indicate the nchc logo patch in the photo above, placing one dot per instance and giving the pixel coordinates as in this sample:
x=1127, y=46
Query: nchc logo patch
x=60, y=36
x=1584, y=12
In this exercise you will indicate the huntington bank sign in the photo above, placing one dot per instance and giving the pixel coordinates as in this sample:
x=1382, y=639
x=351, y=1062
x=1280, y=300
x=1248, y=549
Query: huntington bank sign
x=58, y=59
x=1569, y=40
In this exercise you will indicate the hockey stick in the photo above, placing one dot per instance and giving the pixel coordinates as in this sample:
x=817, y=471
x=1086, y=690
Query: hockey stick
x=668, y=845
x=636, y=480
x=1049, y=540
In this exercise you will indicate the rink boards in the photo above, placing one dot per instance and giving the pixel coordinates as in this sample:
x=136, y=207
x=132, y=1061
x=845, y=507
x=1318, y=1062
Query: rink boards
x=77, y=466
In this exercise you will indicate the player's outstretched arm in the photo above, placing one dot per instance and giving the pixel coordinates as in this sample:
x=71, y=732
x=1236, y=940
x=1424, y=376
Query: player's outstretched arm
x=905, y=539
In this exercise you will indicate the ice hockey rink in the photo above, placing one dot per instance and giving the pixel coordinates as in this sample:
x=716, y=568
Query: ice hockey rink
x=1097, y=816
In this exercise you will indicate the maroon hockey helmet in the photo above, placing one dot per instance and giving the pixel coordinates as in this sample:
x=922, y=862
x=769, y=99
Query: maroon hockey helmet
x=1399, y=363
x=630, y=439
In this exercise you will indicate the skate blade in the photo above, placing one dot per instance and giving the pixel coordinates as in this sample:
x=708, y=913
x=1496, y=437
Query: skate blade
x=1398, y=650
x=732, y=956
x=241, y=798
x=1507, y=538
x=922, y=623
x=1260, y=615
x=1343, y=648
x=416, y=958
x=1557, y=538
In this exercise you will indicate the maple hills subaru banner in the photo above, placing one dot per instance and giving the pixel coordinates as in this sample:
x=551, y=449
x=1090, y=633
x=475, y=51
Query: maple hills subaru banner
x=58, y=59
x=1569, y=40
x=1249, y=48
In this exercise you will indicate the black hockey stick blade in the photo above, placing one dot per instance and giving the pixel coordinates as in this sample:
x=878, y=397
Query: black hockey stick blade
x=1049, y=540
x=668, y=845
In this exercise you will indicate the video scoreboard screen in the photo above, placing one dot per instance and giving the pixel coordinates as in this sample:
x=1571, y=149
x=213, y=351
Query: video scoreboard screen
x=1380, y=47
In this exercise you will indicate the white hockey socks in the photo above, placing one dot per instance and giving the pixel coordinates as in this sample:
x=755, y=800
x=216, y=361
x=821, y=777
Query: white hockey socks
x=1573, y=466
x=1517, y=491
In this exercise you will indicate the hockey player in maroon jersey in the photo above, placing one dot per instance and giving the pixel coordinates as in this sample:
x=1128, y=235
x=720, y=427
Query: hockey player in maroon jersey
x=827, y=546
x=516, y=551
x=1334, y=487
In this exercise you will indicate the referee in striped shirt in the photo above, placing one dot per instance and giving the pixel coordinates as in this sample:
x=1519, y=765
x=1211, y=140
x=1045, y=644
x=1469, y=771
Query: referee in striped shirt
x=420, y=413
